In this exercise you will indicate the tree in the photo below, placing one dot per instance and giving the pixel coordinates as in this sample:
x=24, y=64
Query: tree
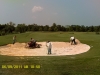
x=82, y=28
x=21, y=28
x=46, y=28
x=40, y=28
x=63, y=28
x=78, y=28
x=71, y=28
x=87, y=28
x=11, y=23
x=56, y=29
x=53, y=27
x=59, y=27
x=36, y=27
x=91, y=28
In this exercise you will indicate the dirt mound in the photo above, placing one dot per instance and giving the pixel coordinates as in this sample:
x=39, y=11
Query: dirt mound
x=77, y=41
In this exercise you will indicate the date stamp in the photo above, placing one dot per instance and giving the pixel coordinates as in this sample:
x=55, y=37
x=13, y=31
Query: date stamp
x=20, y=66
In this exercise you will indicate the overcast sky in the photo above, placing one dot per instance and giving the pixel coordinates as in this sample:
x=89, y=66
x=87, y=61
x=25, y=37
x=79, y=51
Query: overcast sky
x=47, y=12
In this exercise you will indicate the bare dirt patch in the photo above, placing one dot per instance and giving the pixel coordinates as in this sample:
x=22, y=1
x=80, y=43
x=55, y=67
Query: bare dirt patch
x=58, y=49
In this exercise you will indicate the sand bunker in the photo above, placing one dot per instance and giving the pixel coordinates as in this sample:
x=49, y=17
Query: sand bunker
x=58, y=49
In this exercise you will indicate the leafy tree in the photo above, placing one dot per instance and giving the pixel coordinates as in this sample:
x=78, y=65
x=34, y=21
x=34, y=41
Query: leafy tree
x=46, y=28
x=91, y=28
x=71, y=28
x=11, y=23
x=40, y=28
x=56, y=29
x=82, y=28
x=59, y=27
x=21, y=28
x=78, y=28
x=53, y=27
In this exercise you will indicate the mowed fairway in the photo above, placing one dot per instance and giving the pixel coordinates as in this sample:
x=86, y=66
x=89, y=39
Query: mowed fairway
x=82, y=64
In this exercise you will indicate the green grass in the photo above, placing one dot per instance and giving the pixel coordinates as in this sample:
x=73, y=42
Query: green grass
x=82, y=64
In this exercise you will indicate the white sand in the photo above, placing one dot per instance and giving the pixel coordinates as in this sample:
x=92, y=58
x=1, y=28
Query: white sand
x=58, y=49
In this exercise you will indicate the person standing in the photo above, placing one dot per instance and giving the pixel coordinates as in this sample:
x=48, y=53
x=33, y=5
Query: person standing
x=14, y=39
x=72, y=40
x=49, y=46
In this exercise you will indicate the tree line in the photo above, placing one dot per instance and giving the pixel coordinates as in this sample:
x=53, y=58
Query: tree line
x=21, y=28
